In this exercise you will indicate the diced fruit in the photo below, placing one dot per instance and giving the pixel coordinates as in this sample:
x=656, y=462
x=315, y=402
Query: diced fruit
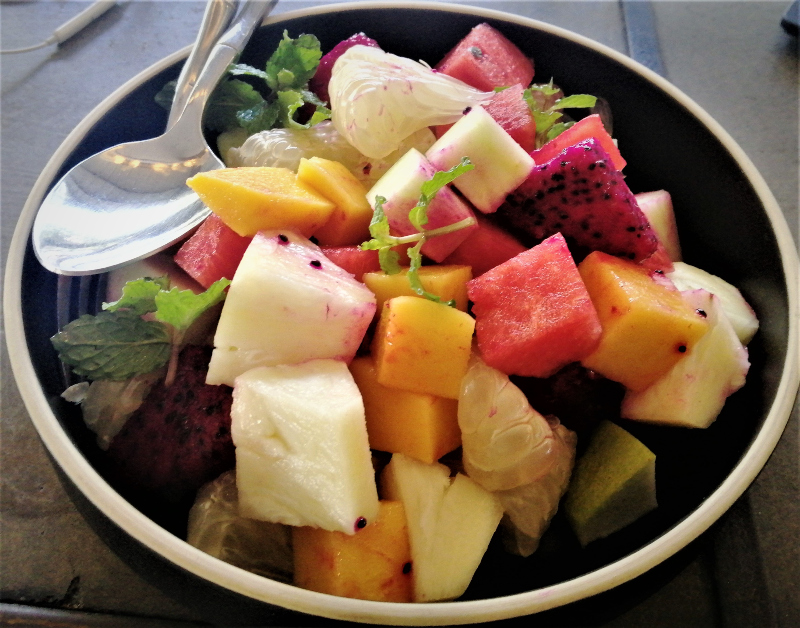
x=302, y=454
x=737, y=310
x=401, y=186
x=230, y=139
x=216, y=527
x=533, y=313
x=647, y=327
x=373, y=564
x=657, y=208
x=587, y=128
x=353, y=259
x=450, y=524
x=349, y=222
x=287, y=304
x=505, y=442
x=249, y=200
x=213, y=252
x=658, y=261
x=486, y=59
x=422, y=346
x=512, y=113
x=694, y=391
x=500, y=163
x=178, y=439
x=486, y=247
x=613, y=484
x=447, y=282
x=579, y=194
x=419, y=425
x=319, y=82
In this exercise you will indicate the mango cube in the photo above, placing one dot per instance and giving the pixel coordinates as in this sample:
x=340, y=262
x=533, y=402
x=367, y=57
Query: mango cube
x=349, y=221
x=647, y=327
x=372, y=564
x=250, y=200
x=449, y=282
x=422, y=346
x=419, y=425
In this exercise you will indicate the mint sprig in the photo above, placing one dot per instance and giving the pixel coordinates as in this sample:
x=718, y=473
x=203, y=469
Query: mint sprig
x=117, y=343
x=547, y=110
x=383, y=242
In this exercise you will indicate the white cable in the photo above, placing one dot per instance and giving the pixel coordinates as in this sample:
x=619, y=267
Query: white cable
x=71, y=27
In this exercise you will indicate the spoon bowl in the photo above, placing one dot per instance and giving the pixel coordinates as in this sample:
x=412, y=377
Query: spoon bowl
x=131, y=200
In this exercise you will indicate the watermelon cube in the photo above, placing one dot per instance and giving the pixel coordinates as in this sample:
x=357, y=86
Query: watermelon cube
x=588, y=128
x=353, y=259
x=533, y=313
x=213, y=252
x=485, y=59
x=486, y=247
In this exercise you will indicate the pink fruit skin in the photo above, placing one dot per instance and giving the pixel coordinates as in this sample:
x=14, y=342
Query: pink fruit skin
x=445, y=209
x=486, y=247
x=533, y=313
x=319, y=82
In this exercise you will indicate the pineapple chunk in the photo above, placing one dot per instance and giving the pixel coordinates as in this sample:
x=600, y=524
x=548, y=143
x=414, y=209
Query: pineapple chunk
x=647, y=326
x=249, y=200
x=450, y=524
x=373, y=564
x=349, y=222
x=287, y=303
x=422, y=426
x=448, y=282
x=422, y=346
x=302, y=454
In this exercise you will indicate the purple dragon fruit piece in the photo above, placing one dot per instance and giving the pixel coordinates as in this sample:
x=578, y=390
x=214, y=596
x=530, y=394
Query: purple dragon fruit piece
x=581, y=195
x=319, y=82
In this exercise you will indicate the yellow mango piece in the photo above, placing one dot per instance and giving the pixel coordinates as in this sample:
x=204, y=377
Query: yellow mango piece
x=349, y=221
x=372, y=564
x=418, y=425
x=647, y=327
x=250, y=200
x=448, y=282
x=422, y=346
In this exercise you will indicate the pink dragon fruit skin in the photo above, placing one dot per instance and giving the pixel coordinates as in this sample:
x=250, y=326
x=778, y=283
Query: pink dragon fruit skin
x=319, y=82
x=581, y=195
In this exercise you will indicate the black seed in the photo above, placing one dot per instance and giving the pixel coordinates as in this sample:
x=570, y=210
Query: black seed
x=476, y=52
x=367, y=169
x=563, y=216
x=315, y=263
x=466, y=110
x=592, y=166
x=631, y=256
x=601, y=164
x=682, y=348
x=564, y=164
x=585, y=225
x=539, y=195
x=607, y=196
x=598, y=185
x=361, y=523
x=557, y=225
x=597, y=235
x=583, y=181
x=557, y=177
x=701, y=312
x=407, y=568
x=659, y=272
x=283, y=239
x=631, y=229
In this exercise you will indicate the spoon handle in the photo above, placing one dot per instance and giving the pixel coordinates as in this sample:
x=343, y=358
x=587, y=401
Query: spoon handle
x=217, y=17
x=224, y=53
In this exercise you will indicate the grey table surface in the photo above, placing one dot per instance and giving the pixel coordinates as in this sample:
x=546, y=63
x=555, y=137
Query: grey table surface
x=58, y=569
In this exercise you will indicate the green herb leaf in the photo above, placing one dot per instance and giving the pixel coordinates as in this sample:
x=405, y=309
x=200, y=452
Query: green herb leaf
x=113, y=345
x=557, y=129
x=389, y=260
x=260, y=117
x=228, y=99
x=139, y=295
x=576, y=101
x=419, y=213
x=242, y=69
x=294, y=62
x=180, y=308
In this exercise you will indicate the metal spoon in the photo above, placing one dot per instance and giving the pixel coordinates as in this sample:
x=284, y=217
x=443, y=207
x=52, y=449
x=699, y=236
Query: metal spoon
x=132, y=200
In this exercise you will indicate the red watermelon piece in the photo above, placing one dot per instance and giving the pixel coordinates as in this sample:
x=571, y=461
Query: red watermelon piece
x=533, y=313
x=353, y=259
x=213, y=252
x=582, y=196
x=486, y=247
x=486, y=59
x=590, y=127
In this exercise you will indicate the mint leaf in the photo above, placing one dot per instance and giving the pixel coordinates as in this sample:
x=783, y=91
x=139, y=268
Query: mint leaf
x=242, y=69
x=228, y=99
x=419, y=213
x=113, y=345
x=294, y=62
x=260, y=117
x=389, y=260
x=180, y=308
x=139, y=295
x=576, y=101
x=289, y=101
x=557, y=129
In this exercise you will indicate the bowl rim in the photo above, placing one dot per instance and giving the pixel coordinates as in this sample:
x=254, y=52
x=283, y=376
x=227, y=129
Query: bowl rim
x=180, y=553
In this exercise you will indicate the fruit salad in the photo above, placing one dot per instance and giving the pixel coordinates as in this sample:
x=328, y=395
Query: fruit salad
x=364, y=365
